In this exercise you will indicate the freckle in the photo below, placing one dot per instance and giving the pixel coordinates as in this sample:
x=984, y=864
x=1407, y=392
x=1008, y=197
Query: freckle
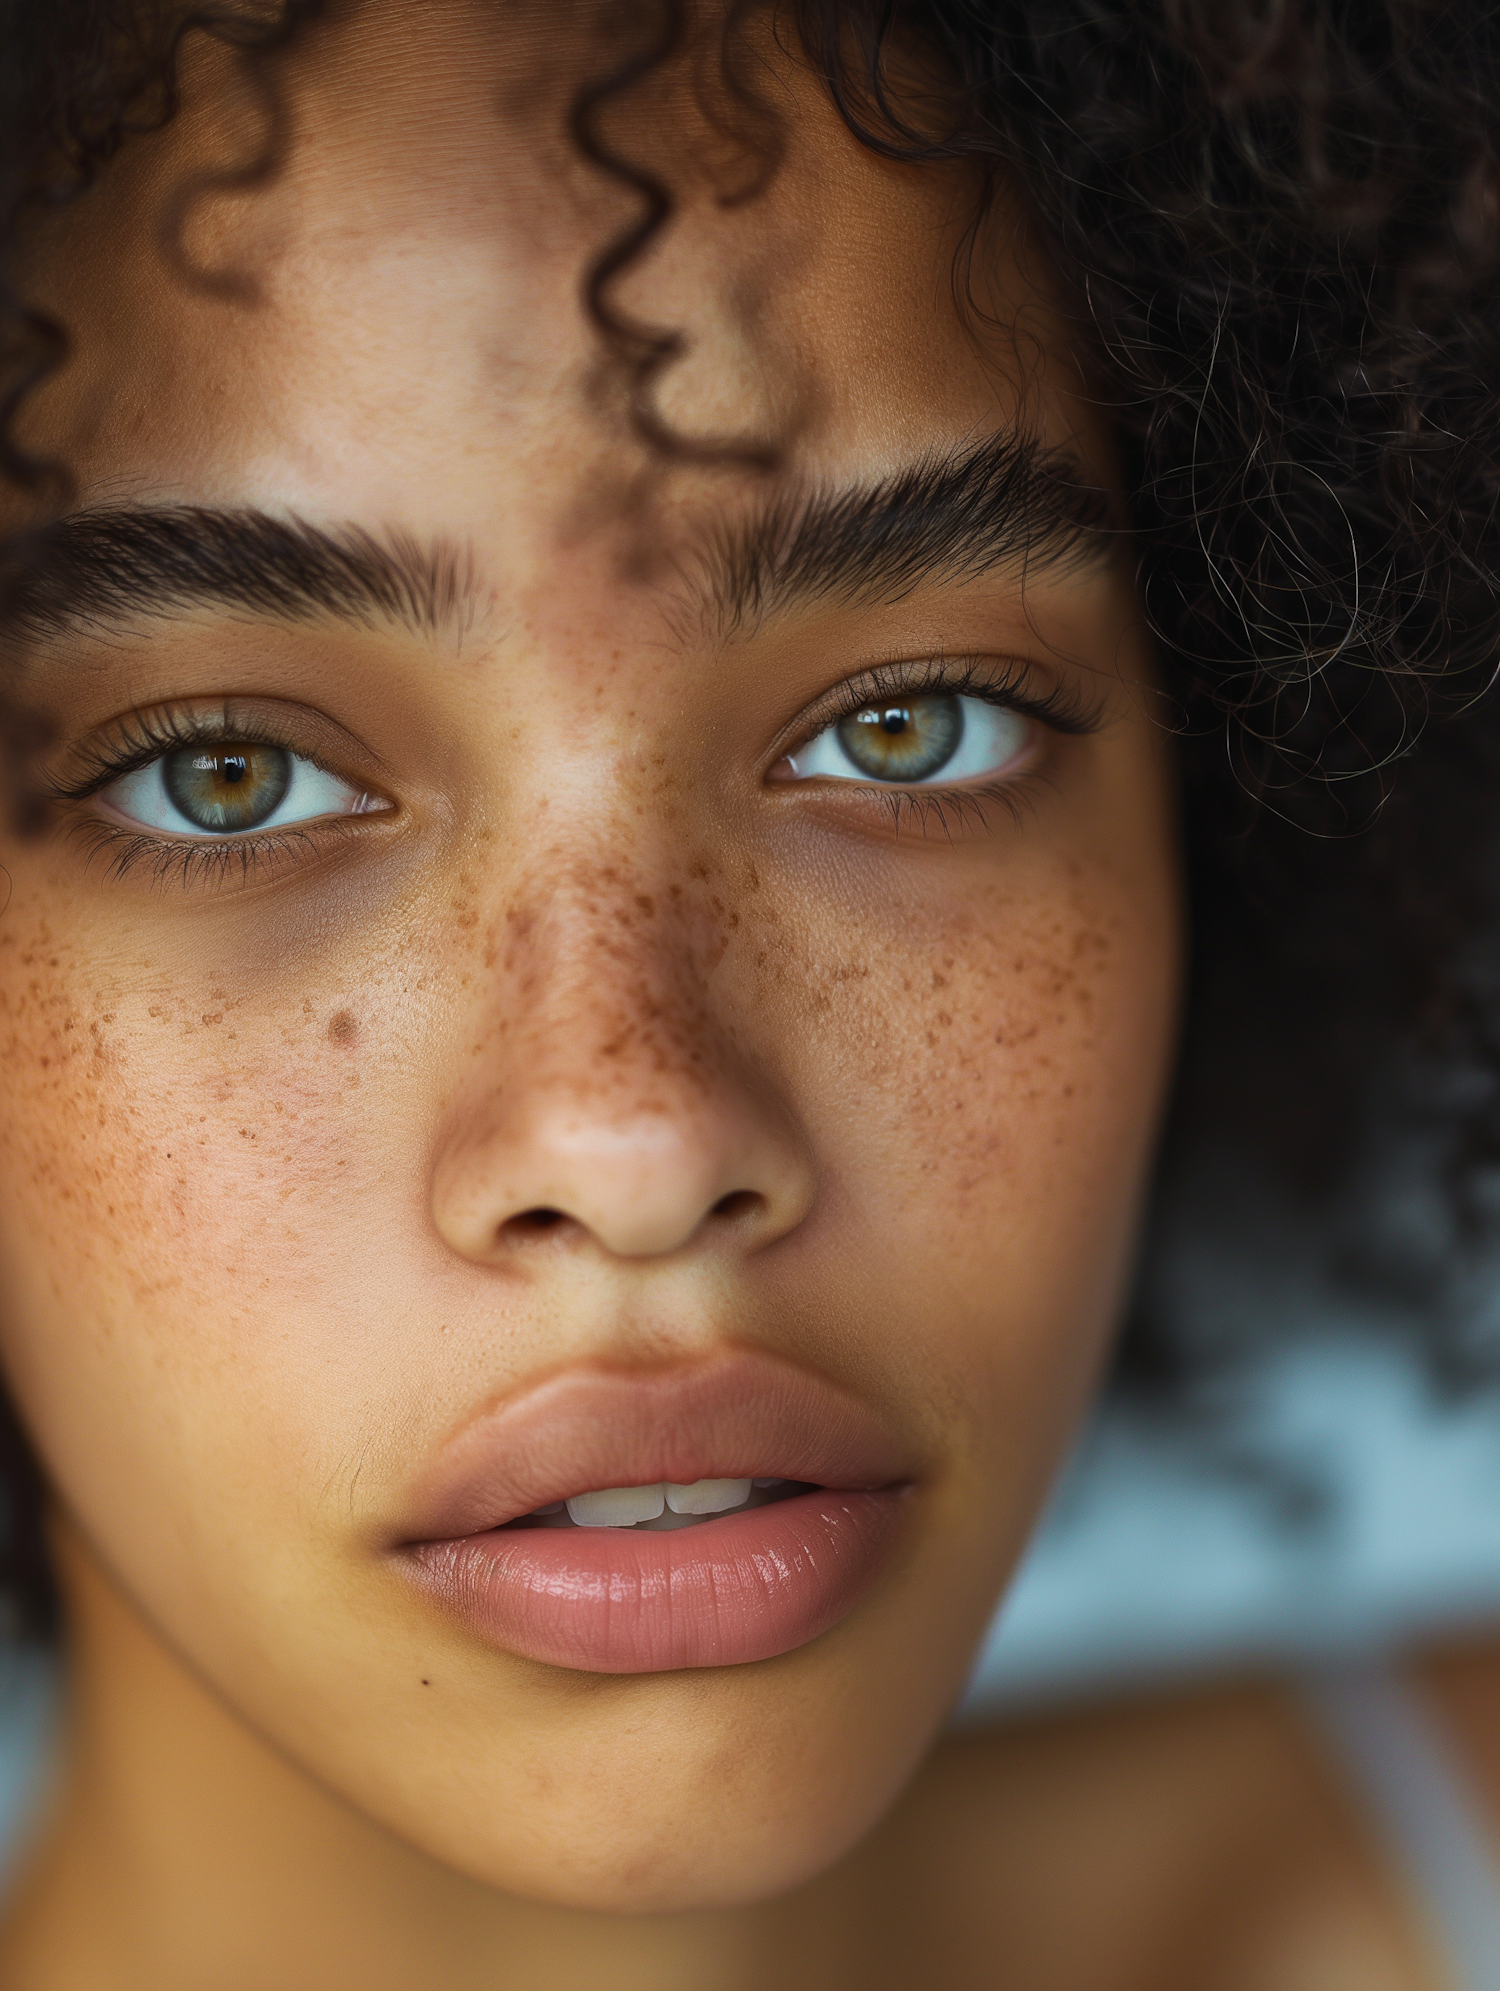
x=343, y=1028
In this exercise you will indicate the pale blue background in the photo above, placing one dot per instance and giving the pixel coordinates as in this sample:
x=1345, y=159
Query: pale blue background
x=1154, y=1562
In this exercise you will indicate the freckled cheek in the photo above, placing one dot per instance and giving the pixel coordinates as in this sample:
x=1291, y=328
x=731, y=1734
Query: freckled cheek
x=153, y=1175
x=987, y=1107
x=1013, y=1081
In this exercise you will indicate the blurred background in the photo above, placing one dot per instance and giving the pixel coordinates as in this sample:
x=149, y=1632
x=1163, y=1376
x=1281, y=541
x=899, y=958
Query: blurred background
x=1344, y=1507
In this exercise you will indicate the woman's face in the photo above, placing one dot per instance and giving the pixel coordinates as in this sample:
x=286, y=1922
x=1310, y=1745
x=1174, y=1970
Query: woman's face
x=545, y=965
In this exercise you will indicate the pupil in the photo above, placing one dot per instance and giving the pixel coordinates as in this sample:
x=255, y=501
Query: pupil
x=235, y=767
x=896, y=722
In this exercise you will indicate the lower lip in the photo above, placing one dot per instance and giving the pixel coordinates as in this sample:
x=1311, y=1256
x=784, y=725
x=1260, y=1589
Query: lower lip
x=623, y=1600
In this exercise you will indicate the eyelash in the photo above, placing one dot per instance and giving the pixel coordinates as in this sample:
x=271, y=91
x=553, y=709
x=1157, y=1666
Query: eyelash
x=142, y=737
x=997, y=682
x=139, y=738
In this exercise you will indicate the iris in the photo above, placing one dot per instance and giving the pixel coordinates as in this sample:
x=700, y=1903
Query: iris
x=227, y=788
x=906, y=741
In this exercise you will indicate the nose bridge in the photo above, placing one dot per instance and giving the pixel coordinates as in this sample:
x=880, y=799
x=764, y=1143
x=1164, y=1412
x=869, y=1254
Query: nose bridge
x=606, y=1092
x=605, y=980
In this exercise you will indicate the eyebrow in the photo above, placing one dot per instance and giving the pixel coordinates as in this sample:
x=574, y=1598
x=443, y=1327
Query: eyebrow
x=1003, y=501
x=97, y=569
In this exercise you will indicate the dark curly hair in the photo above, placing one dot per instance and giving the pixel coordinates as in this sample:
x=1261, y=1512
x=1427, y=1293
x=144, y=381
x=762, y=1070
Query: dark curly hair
x=1278, y=223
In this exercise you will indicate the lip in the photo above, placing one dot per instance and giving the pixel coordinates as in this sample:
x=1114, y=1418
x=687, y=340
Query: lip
x=737, y=1587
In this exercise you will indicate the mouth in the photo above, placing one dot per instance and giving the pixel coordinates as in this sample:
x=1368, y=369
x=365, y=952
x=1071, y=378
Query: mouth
x=663, y=1507
x=634, y=1522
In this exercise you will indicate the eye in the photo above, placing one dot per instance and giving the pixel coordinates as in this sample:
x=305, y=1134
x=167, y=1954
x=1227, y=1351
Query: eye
x=929, y=736
x=224, y=790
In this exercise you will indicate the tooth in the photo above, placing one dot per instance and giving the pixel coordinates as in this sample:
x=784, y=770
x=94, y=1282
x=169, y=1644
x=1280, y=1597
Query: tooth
x=616, y=1506
x=708, y=1496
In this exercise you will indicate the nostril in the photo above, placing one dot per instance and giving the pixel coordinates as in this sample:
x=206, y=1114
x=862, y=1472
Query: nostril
x=743, y=1209
x=532, y=1223
x=737, y=1204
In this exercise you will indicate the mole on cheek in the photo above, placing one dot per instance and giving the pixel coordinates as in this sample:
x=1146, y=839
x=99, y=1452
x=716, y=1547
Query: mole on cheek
x=342, y=1027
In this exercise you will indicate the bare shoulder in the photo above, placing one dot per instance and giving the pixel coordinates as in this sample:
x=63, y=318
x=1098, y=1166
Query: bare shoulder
x=1194, y=1842
x=1462, y=1680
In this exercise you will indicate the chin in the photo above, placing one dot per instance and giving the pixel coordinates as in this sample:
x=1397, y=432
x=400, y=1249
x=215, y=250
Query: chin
x=685, y=1792
x=662, y=1861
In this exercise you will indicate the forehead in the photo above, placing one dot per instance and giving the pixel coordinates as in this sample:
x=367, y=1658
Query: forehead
x=359, y=274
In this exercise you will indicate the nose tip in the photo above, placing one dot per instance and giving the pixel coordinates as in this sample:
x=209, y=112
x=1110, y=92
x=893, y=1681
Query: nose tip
x=646, y=1187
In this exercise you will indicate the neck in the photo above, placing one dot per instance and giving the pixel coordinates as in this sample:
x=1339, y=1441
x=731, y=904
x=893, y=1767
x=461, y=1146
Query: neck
x=182, y=1850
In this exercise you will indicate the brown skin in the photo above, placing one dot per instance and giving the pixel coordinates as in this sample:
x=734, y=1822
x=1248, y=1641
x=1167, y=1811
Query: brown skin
x=262, y=1139
x=1199, y=1842
x=1202, y=1841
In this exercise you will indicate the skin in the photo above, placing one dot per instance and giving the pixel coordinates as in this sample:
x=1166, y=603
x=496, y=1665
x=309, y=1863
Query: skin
x=264, y=1135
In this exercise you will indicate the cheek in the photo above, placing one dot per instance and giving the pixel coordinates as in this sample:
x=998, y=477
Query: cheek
x=1011, y=1039
x=987, y=1082
x=170, y=1154
x=1007, y=1043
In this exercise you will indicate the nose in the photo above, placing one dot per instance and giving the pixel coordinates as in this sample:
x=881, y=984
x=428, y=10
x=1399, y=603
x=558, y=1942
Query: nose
x=606, y=1109
x=640, y=1184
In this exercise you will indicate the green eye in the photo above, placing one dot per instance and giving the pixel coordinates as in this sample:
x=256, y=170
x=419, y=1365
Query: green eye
x=222, y=791
x=908, y=741
x=928, y=737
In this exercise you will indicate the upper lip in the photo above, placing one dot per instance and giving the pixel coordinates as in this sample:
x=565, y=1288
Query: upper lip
x=738, y=1415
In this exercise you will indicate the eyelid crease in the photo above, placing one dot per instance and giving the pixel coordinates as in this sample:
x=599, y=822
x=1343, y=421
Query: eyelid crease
x=1062, y=709
x=137, y=738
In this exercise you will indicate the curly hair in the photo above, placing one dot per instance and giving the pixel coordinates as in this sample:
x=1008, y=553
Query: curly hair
x=1278, y=224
